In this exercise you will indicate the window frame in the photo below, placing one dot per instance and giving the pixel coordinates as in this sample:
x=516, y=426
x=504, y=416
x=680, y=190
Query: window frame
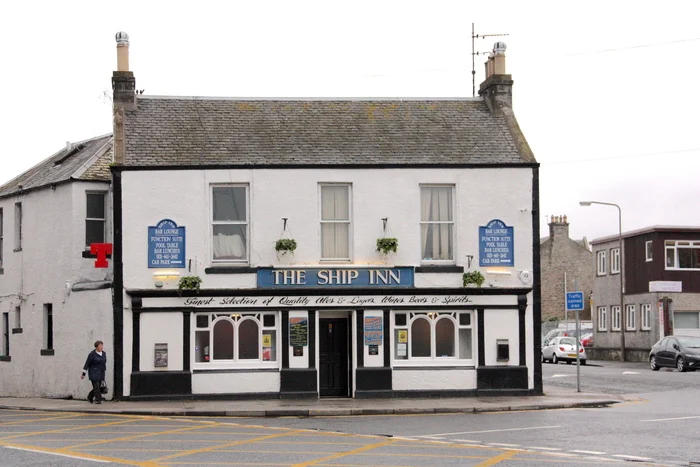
x=2, y=238
x=630, y=317
x=18, y=226
x=451, y=222
x=93, y=219
x=323, y=221
x=5, y=325
x=48, y=341
x=433, y=317
x=685, y=312
x=614, y=261
x=648, y=251
x=645, y=312
x=246, y=223
x=675, y=245
x=601, y=264
x=602, y=318
x=615, y=317
x=236, y=318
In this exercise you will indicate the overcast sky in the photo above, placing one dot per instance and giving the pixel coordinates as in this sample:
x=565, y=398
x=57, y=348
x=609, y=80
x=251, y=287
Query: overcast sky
x=605, y=91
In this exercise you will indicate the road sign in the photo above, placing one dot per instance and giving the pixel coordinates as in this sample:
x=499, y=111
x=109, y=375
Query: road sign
x=574, y=301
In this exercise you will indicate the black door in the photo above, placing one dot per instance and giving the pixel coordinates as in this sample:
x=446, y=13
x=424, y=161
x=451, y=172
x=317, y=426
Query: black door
x=333, y=358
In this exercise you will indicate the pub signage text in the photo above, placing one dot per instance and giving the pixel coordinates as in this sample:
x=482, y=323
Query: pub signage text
x=335, y=277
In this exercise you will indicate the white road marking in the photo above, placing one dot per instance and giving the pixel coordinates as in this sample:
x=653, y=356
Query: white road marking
x=665, y=419
x=587, y=452
x=560, y=376
x=473, y=441
x=631, y=373
x=432, y=437
x=490, y=431
x=505, y=445
x=57, y=454
x=632, y=457
x=543, y=449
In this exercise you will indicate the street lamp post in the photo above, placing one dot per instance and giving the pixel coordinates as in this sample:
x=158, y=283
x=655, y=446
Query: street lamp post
x=622, y=269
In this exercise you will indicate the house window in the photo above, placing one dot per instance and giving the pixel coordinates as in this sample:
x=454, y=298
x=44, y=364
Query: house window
x=615, y=310
x=235, y=340
x=18, y=226
x=686, y=320
x=682, y=254
x=649, y=251
x=615, y=261
x=1, y=242
x=433, y=336
x=645, y=311
x=95, y=221
x=230, y=220
x=5, y=334
x=335, y=222
x=48, y=326
x=601, y=264
x=18, y=317
x=630, y=317
x=602, y=318
x=437, y=223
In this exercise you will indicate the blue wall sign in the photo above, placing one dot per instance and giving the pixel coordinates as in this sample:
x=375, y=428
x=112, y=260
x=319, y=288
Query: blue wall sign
x=334, y=277
x=496, y=244
x=166, y=245
x=574, y=301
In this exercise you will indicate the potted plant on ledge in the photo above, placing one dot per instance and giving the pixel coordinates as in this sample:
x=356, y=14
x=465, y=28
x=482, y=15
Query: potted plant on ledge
x=189, y=283
x=473, y=277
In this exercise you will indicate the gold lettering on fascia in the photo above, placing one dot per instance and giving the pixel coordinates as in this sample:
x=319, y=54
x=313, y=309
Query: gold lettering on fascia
x=336, y=277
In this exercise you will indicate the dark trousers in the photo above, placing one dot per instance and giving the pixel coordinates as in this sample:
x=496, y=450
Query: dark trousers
x=95, y=393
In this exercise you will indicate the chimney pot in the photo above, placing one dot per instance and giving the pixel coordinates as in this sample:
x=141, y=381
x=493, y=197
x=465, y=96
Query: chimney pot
x=122, y=38
x=499, y=47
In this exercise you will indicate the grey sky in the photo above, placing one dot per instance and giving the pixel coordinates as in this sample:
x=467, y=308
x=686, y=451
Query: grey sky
x=604, y=90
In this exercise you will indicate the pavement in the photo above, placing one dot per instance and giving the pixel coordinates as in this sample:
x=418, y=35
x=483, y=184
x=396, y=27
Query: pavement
x=554, y=398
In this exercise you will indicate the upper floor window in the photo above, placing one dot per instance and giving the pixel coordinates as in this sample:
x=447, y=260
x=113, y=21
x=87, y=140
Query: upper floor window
x=18, y=226
x=601, y=264
x=230, y=220
x=95, y=220
x=682, y=254
x=335, y=222
x=648, y=251
x=615, y=261
x=1, y=240
x=437, y=223
x=645, y=311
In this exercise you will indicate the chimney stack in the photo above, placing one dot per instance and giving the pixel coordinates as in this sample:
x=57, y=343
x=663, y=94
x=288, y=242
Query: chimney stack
x=124, y=94
x=559, y=227
x=497, y=88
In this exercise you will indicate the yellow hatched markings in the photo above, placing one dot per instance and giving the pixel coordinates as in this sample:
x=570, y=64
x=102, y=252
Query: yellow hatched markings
x=79, y=455
x=347, y=453
x=45, y=419
x=221, y=446
x=64, y=430
x=498, y=459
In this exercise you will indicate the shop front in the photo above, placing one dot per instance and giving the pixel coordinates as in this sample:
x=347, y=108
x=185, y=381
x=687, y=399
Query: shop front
x=331, y=332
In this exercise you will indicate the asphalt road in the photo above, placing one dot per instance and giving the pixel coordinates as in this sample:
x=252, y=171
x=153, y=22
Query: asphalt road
x=657, y=425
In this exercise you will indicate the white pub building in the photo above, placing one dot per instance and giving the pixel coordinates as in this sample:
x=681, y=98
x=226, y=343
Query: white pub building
x=268, y=248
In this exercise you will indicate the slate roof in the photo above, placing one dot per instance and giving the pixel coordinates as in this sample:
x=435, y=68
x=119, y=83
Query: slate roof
x=196, y=131
x=85, y=160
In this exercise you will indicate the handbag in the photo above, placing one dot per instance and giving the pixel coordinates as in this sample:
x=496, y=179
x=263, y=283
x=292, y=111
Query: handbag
x=103, y=387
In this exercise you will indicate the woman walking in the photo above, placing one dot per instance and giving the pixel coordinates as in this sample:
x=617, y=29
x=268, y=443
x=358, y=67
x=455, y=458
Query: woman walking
x=95, y=367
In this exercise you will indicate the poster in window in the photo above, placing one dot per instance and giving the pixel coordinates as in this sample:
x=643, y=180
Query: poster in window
x=374, y=350
x=161, y=356
x=298, y=331
x=267, y=354
x=267, y=340
x=401, y=350
x=403, y=335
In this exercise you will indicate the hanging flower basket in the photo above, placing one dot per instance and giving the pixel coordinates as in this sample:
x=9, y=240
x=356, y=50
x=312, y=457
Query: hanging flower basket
x=386, y=245
x=285, y=246
x=473, y=277
x=189, y=283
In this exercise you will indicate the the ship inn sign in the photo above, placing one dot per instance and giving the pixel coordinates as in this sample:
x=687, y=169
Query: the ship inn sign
x=271, y=278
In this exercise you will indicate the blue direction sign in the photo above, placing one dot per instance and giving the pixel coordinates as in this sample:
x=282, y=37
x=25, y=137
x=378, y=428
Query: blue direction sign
x=166, y=245
x=574, y=301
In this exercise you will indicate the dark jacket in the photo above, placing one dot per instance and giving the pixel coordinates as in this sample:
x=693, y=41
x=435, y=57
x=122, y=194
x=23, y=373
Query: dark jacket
x=96, y=366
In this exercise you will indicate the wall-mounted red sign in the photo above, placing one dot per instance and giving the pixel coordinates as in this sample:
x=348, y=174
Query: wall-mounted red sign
x=101, y=250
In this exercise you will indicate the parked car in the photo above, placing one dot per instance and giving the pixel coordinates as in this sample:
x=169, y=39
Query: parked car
x=563, y=349
x=680, y=352
x=561, y=333
x=587, y=339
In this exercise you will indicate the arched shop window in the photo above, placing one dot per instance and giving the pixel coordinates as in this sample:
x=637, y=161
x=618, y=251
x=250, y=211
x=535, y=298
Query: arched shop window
x=433, y=336
x=235, y=339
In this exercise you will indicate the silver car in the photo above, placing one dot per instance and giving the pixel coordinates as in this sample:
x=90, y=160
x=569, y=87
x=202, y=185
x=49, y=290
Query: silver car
x=563, y=349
